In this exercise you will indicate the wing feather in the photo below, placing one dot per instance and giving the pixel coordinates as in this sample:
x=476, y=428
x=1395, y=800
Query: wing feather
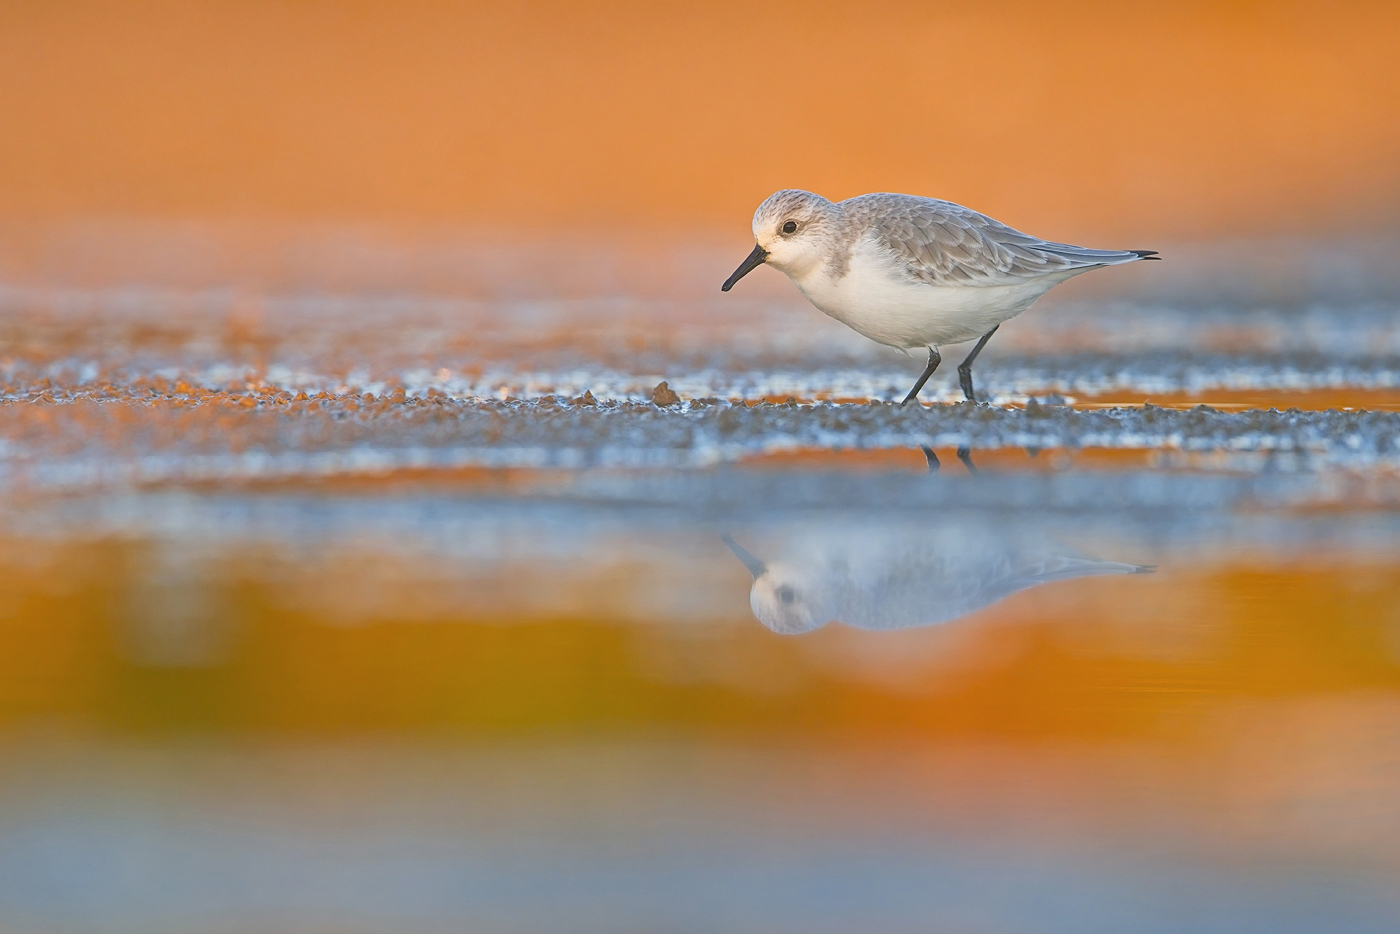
x=943, y=243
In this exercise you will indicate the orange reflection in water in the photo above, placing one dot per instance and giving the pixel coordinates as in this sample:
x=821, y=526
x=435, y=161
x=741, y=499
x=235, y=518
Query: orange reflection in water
x=1228, y=709
x=354, y=642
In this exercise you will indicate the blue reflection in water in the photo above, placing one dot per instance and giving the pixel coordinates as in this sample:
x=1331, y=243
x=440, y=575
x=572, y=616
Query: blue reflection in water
x=154, y=869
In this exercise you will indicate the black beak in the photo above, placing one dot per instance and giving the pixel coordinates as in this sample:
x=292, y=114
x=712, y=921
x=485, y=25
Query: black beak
x=752, y=261
x=755, y=566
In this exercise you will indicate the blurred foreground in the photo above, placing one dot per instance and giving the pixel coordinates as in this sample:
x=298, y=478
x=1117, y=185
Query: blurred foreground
x=335, y=603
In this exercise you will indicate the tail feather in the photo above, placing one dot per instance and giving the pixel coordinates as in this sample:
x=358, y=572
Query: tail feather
x=1088, y=257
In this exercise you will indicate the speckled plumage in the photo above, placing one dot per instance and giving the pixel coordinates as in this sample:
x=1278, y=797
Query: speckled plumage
x=942, y=243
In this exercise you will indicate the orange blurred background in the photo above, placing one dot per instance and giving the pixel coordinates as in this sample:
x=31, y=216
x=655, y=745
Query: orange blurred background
x=1074, y=120
x=1267, y=694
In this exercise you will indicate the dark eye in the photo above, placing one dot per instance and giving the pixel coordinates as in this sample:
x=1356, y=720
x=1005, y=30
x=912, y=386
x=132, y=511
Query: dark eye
x=790, y=227
x=786, y=594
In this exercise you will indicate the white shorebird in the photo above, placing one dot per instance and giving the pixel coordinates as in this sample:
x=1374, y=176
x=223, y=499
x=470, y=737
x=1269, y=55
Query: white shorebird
x=912, y=272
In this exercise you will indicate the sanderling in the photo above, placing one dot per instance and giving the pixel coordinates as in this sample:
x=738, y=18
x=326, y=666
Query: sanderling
x=912, y=272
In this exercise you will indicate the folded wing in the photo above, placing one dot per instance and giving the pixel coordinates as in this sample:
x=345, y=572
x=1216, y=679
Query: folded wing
x=943, y=243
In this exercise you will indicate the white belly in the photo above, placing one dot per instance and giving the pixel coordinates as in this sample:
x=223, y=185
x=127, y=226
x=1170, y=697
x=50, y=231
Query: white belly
x=907, y=314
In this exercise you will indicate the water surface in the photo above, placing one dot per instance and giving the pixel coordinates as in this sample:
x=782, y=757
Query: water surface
x=358, y=597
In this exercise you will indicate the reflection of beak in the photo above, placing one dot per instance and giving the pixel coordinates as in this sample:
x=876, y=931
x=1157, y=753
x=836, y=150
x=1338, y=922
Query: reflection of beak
x=755, y=566
x=750, y=263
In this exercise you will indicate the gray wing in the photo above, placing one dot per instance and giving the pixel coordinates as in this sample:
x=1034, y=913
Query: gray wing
x=947, y=244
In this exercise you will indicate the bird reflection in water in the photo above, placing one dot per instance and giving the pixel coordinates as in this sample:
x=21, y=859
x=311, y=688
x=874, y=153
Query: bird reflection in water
x=934, y=464
x=897, y=577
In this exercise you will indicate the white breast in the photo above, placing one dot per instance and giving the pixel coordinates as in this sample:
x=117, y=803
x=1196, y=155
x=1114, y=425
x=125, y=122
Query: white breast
x=875, y=300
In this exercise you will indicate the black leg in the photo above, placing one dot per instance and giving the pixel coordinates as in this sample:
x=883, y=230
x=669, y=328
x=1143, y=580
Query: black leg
x=933, y=360
x=965, y=455
x=965, y=368
x=931, y=457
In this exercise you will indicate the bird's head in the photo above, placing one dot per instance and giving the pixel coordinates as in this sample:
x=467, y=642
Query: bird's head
x=784, y=599
x=793, y=231
x=787, y=602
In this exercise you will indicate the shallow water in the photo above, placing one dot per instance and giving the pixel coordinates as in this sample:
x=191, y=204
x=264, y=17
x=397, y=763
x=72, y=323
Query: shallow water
x=355, y=593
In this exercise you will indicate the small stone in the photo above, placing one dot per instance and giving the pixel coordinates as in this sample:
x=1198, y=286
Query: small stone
x=663, y=396
x=587, y=398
